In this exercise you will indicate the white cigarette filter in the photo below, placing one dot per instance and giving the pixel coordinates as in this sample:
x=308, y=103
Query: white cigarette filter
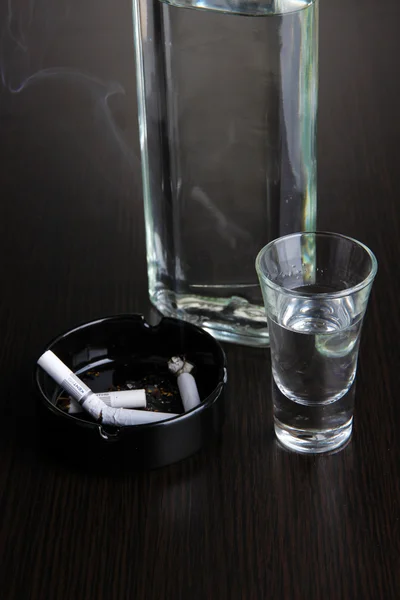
x=64, y=376
x=188, y=391
x=124, y=399
x=186, y=382
x=91, y=402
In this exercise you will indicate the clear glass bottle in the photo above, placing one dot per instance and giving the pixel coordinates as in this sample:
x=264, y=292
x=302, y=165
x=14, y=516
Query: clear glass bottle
x=227, y=95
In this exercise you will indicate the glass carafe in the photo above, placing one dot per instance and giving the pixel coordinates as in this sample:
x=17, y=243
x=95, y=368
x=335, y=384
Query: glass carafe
x=227, y=94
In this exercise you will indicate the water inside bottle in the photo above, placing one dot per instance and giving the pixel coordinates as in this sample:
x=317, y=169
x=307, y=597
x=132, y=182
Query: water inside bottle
x=228, y=151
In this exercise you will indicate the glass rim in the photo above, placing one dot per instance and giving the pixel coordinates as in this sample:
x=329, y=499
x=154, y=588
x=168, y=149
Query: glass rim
x=340, y=293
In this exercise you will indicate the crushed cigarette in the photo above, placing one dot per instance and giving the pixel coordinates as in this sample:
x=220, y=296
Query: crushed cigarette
x=186, y=382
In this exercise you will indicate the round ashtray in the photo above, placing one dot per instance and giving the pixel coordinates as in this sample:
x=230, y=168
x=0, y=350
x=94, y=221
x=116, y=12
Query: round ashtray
x=124, y=352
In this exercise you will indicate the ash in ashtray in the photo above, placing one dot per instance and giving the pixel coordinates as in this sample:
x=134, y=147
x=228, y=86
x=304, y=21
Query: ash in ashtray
x=162, y=393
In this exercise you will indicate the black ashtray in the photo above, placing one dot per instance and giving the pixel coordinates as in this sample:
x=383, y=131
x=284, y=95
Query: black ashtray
x=121, y=352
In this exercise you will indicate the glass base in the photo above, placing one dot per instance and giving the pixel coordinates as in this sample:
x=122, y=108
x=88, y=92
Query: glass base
x=308, y=441
x=232, y=319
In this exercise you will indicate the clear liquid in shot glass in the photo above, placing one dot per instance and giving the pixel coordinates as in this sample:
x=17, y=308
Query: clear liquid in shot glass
x=315, y=347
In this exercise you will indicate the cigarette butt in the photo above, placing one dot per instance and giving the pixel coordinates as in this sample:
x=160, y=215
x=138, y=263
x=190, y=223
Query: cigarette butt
x=125, y=399
x=186, y=382
x=188, y=391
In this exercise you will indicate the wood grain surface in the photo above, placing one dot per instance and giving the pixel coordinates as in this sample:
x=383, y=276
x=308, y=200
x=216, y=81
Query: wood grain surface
x=242, y=519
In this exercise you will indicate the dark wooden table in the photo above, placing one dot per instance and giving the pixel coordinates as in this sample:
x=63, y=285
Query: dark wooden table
x=243, y=520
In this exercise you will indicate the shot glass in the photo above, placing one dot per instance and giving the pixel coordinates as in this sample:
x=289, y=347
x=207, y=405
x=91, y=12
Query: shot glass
x=315, y=288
